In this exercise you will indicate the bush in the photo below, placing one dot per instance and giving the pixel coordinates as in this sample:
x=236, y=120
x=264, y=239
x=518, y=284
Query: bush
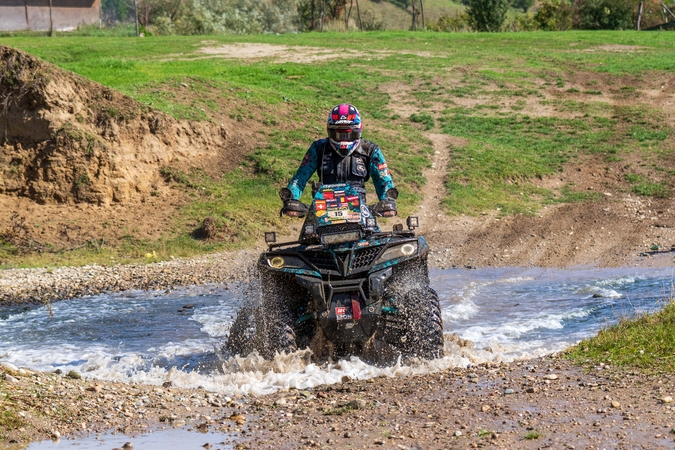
x=460, y=22
x=604, y=14
x=554, y=15
x=486, y=15
x=525, y=22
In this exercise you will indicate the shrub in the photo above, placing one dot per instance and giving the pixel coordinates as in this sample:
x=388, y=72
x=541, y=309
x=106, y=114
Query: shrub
x=486, y=15
x=458, y=22
x=554, y=15
x=604, y=14
x=525, y=22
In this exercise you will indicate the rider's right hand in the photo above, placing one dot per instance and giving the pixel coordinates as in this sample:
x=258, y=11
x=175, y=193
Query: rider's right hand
x=294, y=208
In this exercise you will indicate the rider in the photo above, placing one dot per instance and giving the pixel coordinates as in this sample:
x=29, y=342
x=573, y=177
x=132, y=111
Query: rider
x=343, y=157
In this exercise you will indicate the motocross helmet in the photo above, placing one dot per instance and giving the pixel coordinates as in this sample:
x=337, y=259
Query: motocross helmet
x=344, y=129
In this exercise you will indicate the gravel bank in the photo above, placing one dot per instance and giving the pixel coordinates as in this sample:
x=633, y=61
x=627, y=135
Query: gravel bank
x=44, y=285
x=540, y=403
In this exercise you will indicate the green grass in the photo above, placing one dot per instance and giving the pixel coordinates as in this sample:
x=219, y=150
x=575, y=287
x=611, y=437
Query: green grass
x=533, y=435
x=508, y=150
x=645, y=342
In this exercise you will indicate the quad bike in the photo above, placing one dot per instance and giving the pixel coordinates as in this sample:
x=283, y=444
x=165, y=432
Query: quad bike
x=343, y=288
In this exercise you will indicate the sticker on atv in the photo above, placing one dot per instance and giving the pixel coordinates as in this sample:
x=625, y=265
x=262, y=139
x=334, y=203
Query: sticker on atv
x=342, y=313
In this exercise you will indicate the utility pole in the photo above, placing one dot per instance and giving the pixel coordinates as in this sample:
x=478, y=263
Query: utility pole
x=639, y=16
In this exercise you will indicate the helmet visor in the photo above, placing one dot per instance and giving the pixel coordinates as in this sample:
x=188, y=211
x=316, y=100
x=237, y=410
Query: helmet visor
x=344, y=134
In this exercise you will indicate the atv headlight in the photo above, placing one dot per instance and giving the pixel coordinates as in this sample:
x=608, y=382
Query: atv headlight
x=407, y=249
x=279, y=262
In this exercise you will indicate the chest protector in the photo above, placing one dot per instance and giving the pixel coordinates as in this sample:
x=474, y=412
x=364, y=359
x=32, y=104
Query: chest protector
x=353, y=169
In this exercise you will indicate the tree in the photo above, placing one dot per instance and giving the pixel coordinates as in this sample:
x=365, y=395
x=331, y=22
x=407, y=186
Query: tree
x=487, y=15
x=554, y=15
x=604, y=14
x=522, y=4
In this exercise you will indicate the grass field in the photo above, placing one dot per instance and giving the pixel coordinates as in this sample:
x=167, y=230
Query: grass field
x=526, y=105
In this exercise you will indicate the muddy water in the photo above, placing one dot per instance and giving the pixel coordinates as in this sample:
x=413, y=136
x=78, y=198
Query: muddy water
x=154, y=337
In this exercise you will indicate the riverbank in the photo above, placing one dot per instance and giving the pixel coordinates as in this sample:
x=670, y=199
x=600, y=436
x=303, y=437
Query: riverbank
x=546, y=402
x=19, y=286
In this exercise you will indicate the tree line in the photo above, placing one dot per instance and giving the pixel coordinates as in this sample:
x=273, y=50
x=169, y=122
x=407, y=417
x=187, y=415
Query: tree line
x=289, y=16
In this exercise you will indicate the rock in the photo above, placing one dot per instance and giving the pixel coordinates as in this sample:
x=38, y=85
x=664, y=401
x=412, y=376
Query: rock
x=10, y=379
x=207, y=446
x=347, y=434
x=615, y=404
x=358, y=403
x=508, y=391
x=458, y=433
x=551, y=376
x=74, y=375
x=9, y=366
x=96, y=388
x=56, y=434
x=280, y=402
x=485, y=408
x=532, y=390
x=597, y=295
x=346, y=379
x=667, y=399
x=128, y=446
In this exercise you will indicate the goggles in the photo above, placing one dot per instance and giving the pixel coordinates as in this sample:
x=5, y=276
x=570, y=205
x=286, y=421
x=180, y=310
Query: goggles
x=344, y=134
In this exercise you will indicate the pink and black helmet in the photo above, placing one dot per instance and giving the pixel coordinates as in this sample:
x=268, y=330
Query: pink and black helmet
x=344, y=129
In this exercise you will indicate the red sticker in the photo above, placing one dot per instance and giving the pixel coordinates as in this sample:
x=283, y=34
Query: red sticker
x=341, y=310
x=320, y=205
x=382, y=166
x=328, y=195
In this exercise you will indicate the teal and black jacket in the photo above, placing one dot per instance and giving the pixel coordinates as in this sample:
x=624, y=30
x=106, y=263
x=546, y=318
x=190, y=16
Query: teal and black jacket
x=365, y=162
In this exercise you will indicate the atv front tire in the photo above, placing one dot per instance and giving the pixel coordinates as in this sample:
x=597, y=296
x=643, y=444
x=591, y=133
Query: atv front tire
x=417, y=329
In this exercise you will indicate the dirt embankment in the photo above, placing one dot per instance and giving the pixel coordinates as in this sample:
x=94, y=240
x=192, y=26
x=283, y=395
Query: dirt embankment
x=79, y=160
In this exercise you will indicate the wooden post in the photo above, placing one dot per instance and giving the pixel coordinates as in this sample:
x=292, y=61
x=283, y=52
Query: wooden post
x=51, y=20
x=135, y=14
x=414, y=16
x=25, y=3
x=358, y=12
x=312, y=26
x=639, y=16
x=424, y=24
x=322, y=12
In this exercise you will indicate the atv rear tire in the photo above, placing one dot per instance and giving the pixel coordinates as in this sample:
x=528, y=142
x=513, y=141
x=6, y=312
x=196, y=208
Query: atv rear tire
x=418, y=328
